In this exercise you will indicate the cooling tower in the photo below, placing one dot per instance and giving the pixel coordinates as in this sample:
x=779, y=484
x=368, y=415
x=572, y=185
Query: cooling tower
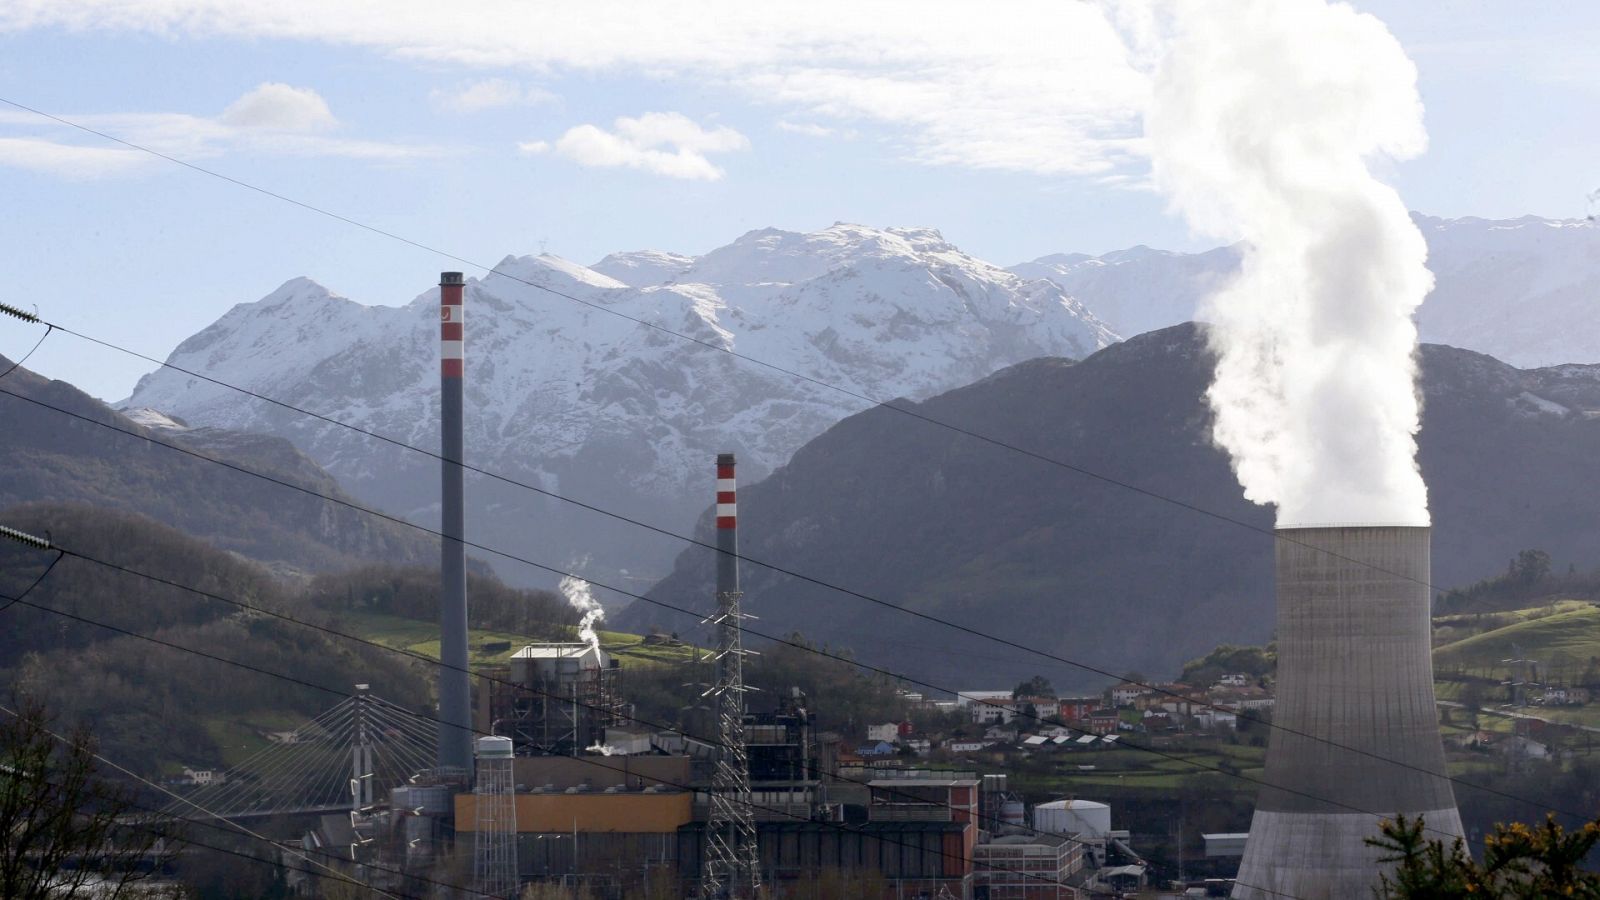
x=1357, y=733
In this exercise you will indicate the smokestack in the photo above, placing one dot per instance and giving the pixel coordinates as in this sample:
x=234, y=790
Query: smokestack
x=1354, y=670
x=727, y=527
x=455, y=689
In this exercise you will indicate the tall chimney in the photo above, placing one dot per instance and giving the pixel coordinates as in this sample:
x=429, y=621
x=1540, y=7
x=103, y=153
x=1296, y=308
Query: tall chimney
x=1355, y=671
x=455, y=689
x=730, y=865
x=727, y=532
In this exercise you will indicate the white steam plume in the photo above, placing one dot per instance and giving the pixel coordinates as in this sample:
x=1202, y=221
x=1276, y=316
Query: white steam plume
x=581, y=598
x=1266, y=117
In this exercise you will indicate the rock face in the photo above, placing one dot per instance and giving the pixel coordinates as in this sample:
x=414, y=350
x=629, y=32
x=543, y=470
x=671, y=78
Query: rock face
x=1522, y=290
x=563, y=395
x=55, y=458
x=922, y=517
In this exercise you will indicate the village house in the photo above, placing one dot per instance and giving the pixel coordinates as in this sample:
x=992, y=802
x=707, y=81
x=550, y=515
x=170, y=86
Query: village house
x=888, y=731
x=1074, y=709
x=1102, y=721
x=1124, y=694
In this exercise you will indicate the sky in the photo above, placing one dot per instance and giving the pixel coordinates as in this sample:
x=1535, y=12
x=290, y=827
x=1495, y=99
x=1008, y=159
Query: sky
x=581, y=128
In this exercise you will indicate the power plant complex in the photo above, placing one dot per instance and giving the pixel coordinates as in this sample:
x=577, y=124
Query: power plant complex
x=543, y=773
x=1355, y=733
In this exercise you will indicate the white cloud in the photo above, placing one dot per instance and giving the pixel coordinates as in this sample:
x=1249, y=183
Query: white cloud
x=279, y=107
x=273, y=119
x=669, y=144
x=490, y=93
x=1033, y=85
x=809, y=129
x=67, y=160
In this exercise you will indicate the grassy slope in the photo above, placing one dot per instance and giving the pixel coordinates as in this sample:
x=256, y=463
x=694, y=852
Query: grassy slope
x=423, y=637
x=242, y=735
x=1570, y=634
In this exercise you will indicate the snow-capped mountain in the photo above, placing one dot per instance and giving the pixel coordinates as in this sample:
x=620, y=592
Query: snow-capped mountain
x=608, y=411
x=1526, y=291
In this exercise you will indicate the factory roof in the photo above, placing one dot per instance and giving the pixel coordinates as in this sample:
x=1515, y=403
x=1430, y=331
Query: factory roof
x=921, y=782
x=1039, y=837
x=553, y=651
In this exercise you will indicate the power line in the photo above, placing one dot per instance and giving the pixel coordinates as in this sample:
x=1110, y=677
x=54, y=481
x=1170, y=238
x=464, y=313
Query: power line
x=302, y=682
x=432, y=662
x=212, y=820
x=420, y=657
x=957, y=626
x=140, y=778
x=26, y=317
x=858, y=395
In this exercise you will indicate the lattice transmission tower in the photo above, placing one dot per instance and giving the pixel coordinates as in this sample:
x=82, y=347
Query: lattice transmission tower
x=732, y=864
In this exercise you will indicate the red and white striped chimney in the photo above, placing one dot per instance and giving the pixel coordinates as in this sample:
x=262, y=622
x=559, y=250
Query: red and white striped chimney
x=455, y=688
x=726, y=506
x=727, y=523
x=452, y=319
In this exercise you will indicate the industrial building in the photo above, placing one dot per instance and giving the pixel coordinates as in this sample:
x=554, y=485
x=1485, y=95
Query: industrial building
x=552, y=698
x=1021, y=864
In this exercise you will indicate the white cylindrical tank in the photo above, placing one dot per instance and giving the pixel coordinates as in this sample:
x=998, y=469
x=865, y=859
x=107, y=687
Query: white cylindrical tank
x=1073, y=817
x=1011, y=813
x=494, y=747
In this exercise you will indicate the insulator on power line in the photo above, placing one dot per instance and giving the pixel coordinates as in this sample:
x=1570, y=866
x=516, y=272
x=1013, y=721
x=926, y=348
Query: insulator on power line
x=22, y=537
x=22, y=314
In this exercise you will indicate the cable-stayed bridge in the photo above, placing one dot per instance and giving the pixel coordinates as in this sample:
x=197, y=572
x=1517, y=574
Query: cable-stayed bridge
x=343, y=759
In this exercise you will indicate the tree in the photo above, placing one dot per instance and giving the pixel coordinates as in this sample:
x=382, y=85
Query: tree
x=1037, y=686
x=61, y=835
x=1518, y=862
x=1531, y=566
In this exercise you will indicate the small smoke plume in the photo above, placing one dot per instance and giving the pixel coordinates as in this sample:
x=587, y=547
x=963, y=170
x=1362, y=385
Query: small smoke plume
x=1265, y=122
x=581, y=598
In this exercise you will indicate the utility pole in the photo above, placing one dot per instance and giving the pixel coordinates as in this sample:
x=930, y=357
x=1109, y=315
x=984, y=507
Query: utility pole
x=731, y=867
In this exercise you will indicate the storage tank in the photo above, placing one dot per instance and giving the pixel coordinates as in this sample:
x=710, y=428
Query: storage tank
x=1084, y=817
x=1012, y=813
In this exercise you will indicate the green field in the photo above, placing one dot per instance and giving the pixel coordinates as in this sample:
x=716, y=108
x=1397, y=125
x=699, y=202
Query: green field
x=1565, y=634
x=422, y=638
x=1563, y=637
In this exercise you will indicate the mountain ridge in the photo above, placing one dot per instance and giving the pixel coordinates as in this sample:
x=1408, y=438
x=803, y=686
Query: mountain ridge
x=1522, y=290
x=920, y=516
x=598, y=407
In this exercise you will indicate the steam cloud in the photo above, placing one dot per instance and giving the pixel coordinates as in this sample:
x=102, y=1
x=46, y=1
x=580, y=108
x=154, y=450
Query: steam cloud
x=1265, y=119
x=581, y=598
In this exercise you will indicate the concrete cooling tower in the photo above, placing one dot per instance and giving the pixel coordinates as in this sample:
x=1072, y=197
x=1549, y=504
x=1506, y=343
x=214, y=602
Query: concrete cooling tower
x=1357, y=733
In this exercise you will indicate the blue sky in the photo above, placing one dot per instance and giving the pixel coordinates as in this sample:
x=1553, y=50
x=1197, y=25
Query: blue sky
x=593, y=127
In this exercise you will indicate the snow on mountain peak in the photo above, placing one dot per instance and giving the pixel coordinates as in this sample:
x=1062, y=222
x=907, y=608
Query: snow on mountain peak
x=551, y=270
x=566, y=395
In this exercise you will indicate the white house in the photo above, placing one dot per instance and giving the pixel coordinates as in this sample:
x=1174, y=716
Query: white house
x=888, y=731
x=1124, y=694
